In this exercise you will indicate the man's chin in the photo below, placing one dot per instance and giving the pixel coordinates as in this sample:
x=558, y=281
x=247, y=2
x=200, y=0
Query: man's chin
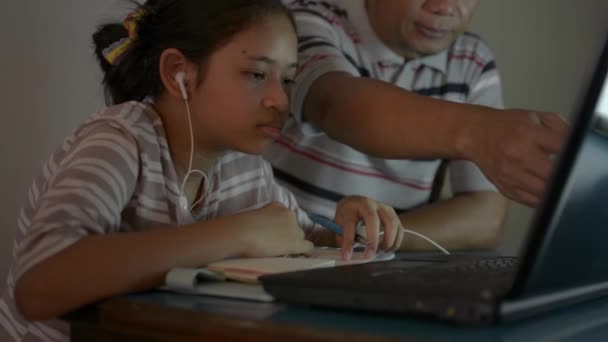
x=422, y=49
x=432, y=48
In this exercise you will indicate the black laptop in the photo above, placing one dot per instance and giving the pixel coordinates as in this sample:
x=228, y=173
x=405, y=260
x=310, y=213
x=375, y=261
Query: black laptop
x=564, y=259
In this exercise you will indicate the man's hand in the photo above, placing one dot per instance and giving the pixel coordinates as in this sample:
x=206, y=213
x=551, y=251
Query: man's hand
x=515, y=151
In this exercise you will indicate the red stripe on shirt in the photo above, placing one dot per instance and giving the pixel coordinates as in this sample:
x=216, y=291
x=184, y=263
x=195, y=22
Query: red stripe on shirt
x=319, y=159
x=472, y=57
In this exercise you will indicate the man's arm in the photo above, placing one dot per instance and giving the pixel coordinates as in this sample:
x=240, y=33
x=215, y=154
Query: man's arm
x=466, y=221
x=383, y=120
x=372, y=116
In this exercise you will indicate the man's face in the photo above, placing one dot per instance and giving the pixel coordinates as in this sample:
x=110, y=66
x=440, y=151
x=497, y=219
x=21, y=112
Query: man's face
x=415, y=28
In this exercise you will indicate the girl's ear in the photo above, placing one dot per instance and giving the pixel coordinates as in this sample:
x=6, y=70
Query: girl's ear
x=175, y=73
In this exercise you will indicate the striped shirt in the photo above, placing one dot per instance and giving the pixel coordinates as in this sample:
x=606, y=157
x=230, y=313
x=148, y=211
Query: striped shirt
x=337, y=36
x=115, y=174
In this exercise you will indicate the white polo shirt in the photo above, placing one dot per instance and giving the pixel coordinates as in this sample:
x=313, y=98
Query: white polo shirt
x=337, y=36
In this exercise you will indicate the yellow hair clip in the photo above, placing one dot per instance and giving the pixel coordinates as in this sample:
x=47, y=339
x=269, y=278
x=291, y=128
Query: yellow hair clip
x=116, y=50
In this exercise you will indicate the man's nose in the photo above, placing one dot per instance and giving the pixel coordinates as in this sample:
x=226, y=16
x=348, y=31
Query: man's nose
x=441, y=7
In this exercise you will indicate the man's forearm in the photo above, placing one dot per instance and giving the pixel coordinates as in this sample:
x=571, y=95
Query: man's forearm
x=385, y=121
x=466, y=221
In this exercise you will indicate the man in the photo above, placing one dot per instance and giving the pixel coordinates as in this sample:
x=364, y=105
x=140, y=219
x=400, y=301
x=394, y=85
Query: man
x=368, y=119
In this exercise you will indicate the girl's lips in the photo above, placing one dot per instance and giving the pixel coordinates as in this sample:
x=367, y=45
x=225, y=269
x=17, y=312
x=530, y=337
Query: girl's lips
x=431, y=32
x=271, y=131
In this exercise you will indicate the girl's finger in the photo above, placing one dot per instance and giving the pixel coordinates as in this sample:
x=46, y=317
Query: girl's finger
x=348, y=238
x=399, y=239
x=390, y=222
x=370, y=217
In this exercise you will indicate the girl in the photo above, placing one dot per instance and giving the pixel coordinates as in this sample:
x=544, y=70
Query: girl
x=169, y=175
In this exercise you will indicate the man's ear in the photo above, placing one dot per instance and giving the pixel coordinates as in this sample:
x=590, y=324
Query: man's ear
x=172, y=63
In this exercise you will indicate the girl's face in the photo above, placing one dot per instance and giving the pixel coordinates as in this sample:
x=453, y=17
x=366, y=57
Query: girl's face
x=243, y=102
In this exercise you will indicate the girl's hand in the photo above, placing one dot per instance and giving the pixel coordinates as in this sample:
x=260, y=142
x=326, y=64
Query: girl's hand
x=374, y=214
x=272, y=230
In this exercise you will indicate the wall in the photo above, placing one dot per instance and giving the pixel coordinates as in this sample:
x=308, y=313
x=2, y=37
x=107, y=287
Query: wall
x=49, y=83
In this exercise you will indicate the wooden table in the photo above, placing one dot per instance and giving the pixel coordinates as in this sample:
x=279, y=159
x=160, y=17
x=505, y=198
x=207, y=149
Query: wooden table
x=164, y=316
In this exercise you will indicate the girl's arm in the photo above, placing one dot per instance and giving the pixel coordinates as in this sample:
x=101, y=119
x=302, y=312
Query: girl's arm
x=97, y=267
x=74, y=252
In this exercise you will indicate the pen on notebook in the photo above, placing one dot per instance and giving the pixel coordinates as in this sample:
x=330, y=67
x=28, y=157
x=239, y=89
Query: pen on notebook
x=336, y=228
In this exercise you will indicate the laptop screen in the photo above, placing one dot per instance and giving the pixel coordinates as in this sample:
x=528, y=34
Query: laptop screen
x=602, y=111
x=567, y=246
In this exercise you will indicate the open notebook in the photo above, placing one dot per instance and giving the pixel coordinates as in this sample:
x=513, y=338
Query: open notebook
x=237, y=278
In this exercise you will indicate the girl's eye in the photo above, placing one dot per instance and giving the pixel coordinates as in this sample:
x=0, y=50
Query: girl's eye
x=257, y=76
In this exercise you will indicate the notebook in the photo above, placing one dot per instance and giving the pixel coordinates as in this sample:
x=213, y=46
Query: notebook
x=238, y=278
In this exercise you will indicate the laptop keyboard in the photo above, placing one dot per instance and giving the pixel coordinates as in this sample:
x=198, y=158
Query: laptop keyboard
x=496, y=265
x=495, y=274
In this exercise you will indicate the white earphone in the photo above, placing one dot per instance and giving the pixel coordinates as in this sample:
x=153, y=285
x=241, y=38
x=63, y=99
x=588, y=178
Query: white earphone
x=180, y=78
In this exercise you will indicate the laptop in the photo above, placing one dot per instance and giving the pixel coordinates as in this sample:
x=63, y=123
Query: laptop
x=564, y=259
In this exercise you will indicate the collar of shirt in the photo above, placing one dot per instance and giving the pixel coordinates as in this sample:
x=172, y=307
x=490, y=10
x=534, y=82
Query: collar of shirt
x=375, y=48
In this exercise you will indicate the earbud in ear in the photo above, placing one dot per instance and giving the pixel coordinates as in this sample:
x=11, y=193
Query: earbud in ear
x=180, y=78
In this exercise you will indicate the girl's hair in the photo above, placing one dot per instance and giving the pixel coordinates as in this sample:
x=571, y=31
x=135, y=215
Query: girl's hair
x=195, y=27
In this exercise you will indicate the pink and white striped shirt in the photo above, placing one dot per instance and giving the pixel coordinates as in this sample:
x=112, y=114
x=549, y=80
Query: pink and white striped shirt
x=115, y=174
